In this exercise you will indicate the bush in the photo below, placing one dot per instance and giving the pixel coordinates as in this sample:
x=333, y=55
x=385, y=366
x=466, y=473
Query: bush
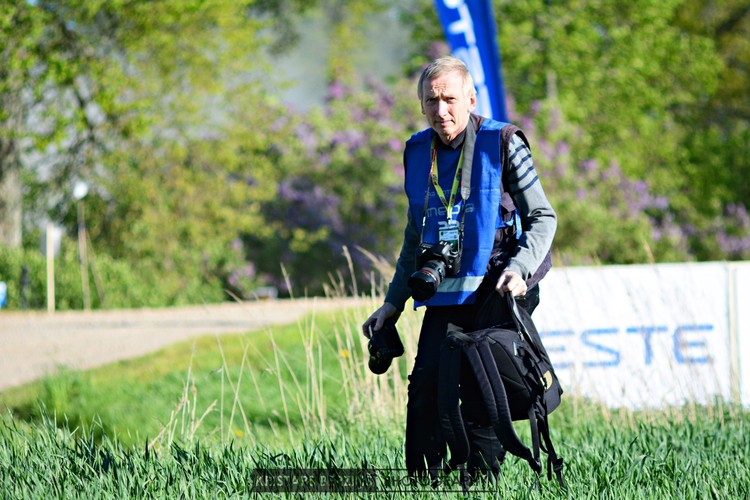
x=12, y=265
x=112, y=283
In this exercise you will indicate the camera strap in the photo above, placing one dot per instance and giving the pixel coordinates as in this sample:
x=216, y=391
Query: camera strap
x=457, y=179
x=462, y=177
x=468, y=154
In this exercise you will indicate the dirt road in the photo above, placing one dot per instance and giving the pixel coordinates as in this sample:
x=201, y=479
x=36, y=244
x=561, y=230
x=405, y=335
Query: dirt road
x=35, y=344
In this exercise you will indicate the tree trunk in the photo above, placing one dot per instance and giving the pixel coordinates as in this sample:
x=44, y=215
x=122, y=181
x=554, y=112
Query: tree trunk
x=10, y=196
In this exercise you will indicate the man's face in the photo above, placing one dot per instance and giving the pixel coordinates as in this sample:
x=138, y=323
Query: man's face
x=446, y=105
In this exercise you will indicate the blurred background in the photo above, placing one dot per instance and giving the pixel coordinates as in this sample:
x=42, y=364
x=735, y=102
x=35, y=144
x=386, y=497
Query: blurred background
x=198, y=151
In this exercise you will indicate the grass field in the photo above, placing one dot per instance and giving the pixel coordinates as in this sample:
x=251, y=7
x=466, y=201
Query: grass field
x=202, y=418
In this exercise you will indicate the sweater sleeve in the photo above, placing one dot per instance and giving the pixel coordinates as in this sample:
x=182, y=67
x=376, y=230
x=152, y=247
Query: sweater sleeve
x=398, y=290
x=538, y=219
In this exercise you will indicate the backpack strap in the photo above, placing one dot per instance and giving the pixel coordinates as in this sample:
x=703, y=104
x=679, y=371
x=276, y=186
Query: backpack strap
x=497, y=407
x=553, y=461
x=491, y=387
x=538, y=414
x=523, y=329
x=468, y=159
x=484, y=367
x=506, y=134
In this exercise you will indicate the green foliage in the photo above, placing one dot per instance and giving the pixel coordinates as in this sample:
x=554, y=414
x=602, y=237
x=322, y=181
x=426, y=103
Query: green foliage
x=295, y=398
x=272, y=386
x=727, y=24
x=620, y=71
x=112, y=283
x=642, y=85
x=68, y=288
x=174, y=215
x=339, y=181
x=203, y=183
x=625, y=97
x=638, y=455
x=131, y=86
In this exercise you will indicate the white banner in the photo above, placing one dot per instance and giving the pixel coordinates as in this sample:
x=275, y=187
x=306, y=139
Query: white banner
x=742, y=310
x=644, y=335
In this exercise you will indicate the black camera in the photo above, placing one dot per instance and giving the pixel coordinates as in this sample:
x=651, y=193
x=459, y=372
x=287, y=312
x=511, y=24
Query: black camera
x=435, y=262
x=384, y=345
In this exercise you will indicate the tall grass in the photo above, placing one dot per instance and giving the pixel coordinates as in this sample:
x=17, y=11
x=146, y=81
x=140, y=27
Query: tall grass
x=322, y=386
x=655, y=457
x=302, y=397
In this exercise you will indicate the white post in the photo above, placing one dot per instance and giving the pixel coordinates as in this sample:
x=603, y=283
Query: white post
x=80, y=190
x=82, y=257
x=50, y=268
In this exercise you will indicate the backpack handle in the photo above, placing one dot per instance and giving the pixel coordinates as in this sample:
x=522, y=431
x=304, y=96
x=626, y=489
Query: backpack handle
x=515, y=315
x=521, y=324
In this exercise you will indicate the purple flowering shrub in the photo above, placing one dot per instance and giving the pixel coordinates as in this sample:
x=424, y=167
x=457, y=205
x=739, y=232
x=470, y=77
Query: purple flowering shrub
x=731, y=232
x=335, y=185
x=340, y=185
x=605, y=216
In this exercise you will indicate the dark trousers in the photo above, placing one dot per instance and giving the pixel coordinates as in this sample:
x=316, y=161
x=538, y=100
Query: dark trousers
x=425, y=447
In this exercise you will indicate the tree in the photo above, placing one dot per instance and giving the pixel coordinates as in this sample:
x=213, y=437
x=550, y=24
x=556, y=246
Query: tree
x=654, y=88
x=338, y=180
x=719, y=148
x=77, y=77
x=727, y=23
x=18, y=27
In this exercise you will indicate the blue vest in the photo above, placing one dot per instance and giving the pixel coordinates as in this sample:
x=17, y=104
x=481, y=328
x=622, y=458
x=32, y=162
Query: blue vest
x=483, y=208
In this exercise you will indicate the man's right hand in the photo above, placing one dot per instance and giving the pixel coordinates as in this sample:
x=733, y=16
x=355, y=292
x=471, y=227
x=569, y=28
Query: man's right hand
x=377, y=319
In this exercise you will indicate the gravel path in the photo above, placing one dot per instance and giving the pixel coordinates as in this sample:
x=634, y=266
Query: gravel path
x=35, y=344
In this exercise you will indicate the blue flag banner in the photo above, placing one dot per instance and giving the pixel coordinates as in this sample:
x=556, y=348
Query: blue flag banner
x=469, y=28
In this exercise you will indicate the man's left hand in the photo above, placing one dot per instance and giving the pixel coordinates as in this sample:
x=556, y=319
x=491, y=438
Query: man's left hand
x=511, y=282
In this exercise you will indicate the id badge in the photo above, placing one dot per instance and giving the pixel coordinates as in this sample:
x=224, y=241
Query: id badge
x=450, y=233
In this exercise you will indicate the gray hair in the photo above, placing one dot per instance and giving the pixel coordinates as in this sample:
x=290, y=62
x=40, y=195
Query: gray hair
x=443, y=66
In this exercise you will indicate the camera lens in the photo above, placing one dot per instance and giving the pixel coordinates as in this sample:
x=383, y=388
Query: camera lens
x=425, y=282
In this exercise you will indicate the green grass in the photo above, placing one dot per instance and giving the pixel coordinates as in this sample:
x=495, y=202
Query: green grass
x=195, y=420
x=260, y=386
x=658, y=455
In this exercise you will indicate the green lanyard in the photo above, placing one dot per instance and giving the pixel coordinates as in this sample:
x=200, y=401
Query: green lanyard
x=448, y=204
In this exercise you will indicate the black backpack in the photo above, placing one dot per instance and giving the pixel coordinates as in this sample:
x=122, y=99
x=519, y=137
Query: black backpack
x=515, y=377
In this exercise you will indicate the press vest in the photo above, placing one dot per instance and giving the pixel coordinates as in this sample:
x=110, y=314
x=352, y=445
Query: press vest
x=482, y=209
